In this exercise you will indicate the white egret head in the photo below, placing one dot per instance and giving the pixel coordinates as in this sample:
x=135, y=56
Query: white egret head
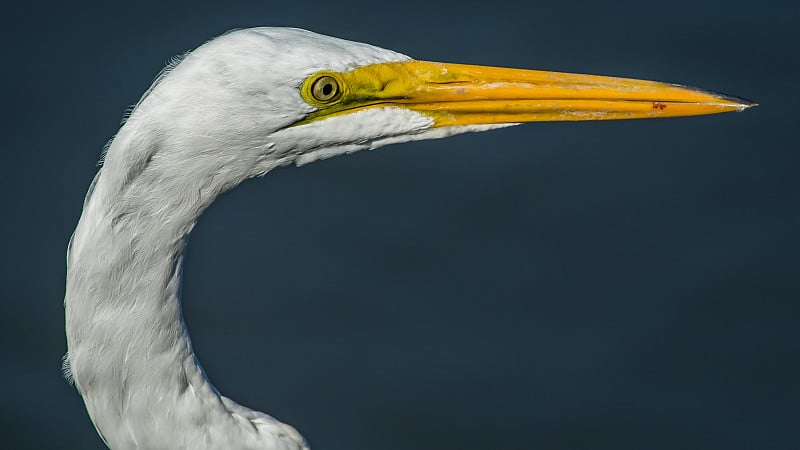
x=254, y=99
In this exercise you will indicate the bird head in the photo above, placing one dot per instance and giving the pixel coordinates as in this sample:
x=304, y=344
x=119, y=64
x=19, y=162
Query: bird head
x=254, y=99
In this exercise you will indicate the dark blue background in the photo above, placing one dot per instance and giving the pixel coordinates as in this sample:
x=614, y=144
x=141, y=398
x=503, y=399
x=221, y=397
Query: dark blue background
x=618, y=285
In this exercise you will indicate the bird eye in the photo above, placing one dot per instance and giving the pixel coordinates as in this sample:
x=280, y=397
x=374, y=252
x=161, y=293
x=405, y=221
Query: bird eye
x=325, y=88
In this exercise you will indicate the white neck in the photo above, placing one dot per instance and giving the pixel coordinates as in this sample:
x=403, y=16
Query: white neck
x=129, y=352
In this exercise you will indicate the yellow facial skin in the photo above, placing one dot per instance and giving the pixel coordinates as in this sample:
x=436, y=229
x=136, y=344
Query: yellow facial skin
x=458, y=94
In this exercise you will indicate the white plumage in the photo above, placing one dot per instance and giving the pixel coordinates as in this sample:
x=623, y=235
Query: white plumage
x=219, y=117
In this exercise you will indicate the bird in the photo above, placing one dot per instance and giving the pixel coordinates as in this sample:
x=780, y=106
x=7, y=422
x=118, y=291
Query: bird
x=234, y=108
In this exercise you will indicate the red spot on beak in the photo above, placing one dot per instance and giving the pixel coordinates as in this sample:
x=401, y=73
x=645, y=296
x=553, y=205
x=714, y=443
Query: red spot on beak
x=659, y=106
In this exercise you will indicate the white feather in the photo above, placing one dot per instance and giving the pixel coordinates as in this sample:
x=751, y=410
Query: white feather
x=211, y=120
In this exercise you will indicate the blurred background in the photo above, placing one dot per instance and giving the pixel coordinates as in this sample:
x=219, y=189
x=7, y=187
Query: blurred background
x=617, y=285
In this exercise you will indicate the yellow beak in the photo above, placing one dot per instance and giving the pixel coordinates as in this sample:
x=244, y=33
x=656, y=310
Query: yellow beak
x=457, y=94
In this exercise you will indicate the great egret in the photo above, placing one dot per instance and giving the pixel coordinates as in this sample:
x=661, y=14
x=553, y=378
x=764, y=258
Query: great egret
x=234, y=108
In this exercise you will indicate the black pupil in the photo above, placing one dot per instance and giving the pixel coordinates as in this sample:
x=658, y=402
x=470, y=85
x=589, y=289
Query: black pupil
x=327, y=89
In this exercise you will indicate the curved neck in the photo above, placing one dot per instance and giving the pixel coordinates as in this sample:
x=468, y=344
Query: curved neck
x=129, y=352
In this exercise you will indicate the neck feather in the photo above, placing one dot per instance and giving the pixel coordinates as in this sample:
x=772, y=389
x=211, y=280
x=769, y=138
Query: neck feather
x=130, y=355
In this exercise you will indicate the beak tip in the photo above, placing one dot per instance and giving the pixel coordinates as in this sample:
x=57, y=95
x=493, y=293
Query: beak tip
x=750, y=104
x=745, y=103
x=740, y=102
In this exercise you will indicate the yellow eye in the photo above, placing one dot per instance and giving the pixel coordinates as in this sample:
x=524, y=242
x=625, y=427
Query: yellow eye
x=325, y=89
